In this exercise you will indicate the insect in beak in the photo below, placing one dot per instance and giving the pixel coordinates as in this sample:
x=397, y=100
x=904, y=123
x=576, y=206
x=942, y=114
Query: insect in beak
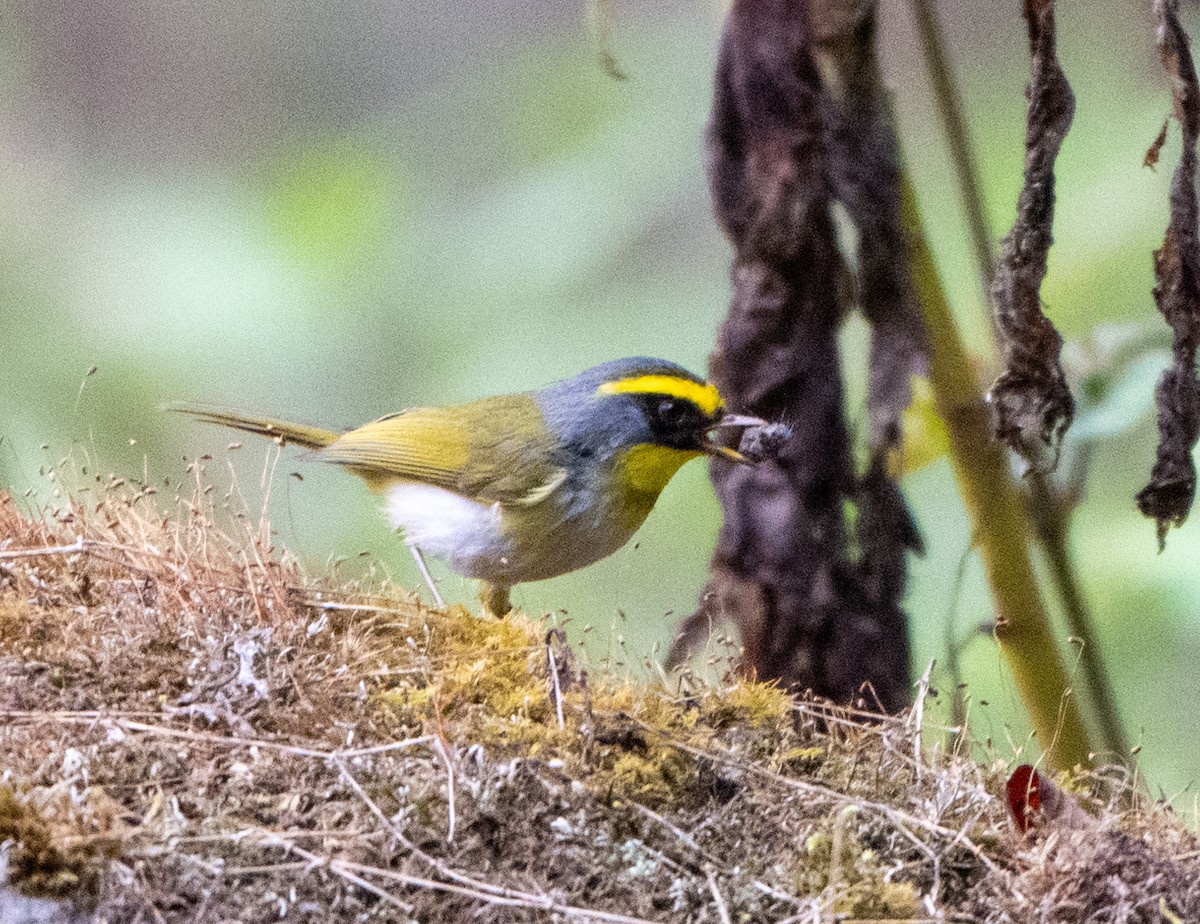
x=710, y=442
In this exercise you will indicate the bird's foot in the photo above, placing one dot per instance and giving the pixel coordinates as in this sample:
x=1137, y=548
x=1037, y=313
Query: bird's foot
x=495, y=599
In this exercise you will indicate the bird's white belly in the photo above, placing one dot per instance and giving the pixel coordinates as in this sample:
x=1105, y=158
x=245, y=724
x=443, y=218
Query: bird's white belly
x=466, y=533
x=541, y=541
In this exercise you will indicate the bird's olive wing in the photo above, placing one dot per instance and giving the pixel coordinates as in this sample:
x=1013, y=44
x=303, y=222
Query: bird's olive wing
x=494, y=450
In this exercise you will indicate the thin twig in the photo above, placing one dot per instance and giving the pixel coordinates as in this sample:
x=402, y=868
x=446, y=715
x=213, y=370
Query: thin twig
x=718, y=899
x=780, y=895
x=954, y=650
x=207, y=738
x=265, y=868
x=343, y=869
x=79, y=545
x=683, y=837
x=893, y=815
x=439, y=746
x=353, y=607
x=1051, y=523
x=438, y=866
x=510, y=898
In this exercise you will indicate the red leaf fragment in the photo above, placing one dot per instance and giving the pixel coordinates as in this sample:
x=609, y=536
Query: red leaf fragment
x=1023, y=792
x=1035, y=802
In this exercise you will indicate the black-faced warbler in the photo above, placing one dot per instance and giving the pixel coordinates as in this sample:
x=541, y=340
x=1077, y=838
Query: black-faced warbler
x=527, y=486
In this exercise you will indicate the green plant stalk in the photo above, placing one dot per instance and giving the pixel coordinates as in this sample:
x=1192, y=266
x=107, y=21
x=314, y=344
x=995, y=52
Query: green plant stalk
x=950, y=110
x=1051, y=515
x=999, y=519
x=1051, y=519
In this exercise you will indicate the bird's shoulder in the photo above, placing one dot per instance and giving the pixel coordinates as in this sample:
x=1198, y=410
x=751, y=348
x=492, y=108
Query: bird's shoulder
x=494, y=450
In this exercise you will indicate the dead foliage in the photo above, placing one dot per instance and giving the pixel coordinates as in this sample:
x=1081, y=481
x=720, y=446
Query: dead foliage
x=800, y=130
x=192, y=730
x=1031, y=403
x=1169, y=495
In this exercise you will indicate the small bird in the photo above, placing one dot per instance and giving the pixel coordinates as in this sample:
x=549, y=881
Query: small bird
x=527, y=486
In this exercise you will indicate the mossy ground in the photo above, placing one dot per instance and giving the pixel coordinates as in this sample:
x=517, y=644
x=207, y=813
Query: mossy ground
x=192, y=730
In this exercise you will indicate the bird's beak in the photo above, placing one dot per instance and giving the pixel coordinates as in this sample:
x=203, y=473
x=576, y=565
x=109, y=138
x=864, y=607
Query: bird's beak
x=713, y=447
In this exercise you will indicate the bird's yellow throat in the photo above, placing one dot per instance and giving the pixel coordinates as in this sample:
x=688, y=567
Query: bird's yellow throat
x=646, y=468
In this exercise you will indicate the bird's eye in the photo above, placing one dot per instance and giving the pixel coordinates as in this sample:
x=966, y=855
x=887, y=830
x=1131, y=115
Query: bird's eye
x=672, y=411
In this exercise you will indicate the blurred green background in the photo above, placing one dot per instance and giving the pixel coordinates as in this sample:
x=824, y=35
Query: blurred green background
x=332, y=211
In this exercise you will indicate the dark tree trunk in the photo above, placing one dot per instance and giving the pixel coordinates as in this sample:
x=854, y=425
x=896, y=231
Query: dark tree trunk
x=800, y=123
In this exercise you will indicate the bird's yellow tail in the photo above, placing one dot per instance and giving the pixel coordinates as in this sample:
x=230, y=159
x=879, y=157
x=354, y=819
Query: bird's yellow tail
x=281, y=430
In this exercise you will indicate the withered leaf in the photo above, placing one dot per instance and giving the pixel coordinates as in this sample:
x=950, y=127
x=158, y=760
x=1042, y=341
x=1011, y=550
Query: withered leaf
x=1169, y=495
x=1156, y=146
x=1031, y=403
x=800, y=122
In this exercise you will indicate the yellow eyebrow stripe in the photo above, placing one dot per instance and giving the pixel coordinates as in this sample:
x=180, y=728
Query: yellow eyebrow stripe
x=703, y=395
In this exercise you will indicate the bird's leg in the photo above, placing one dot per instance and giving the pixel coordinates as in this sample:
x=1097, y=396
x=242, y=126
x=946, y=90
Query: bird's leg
x=494, y=598
x=420, y=559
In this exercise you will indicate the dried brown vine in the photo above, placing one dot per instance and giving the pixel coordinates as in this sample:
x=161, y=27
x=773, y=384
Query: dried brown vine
x=799, y=123
x=1031, y=403
x=1168, y=497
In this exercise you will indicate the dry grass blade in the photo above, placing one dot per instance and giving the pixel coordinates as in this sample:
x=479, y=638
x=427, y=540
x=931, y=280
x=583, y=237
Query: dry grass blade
x=504, y=898
x=79, y=545
x=123, y=722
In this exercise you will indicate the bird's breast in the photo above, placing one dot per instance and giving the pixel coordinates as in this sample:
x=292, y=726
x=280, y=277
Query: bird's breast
x=644, y=470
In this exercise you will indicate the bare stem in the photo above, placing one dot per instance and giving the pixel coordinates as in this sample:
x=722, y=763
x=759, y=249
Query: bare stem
x=954, y=124
x=1052, y=520
x=999, y=519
